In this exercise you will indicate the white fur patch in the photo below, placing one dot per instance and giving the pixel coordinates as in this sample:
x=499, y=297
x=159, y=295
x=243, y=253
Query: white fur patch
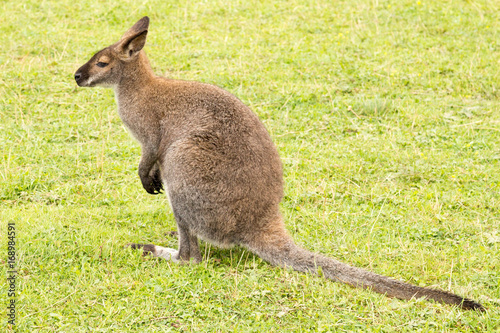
x=166, y=253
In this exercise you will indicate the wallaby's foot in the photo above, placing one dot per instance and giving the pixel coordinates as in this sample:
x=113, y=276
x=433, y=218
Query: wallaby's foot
x=156, y=251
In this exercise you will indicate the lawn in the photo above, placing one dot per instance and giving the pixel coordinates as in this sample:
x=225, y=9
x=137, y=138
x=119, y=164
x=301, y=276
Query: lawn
x=386, y=115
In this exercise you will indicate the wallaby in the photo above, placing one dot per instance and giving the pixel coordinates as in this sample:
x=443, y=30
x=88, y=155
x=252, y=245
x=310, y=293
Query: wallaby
x=218, y=166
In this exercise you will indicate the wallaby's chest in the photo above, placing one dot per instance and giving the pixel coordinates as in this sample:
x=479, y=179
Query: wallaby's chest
x=136, y=122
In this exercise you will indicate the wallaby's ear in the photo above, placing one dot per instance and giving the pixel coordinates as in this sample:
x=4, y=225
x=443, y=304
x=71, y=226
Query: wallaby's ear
x=134, y=39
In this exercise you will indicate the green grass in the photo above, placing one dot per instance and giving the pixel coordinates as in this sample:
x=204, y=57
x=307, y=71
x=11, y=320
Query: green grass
x=386, y=115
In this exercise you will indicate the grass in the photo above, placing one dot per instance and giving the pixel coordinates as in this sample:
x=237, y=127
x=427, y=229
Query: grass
x=386, y=115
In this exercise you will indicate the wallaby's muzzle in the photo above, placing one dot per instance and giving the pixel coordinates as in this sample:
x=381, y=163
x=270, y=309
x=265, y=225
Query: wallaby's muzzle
x=77, y=77
x=80, y=77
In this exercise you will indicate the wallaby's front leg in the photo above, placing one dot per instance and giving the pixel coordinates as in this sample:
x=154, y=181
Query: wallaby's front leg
x=149, y=171
x=155, y=176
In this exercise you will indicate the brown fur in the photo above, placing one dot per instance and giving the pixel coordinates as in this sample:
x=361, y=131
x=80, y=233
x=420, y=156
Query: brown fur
x=218, y=165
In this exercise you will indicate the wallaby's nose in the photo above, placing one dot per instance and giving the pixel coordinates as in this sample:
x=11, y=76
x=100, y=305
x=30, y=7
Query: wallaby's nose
x=77, y=76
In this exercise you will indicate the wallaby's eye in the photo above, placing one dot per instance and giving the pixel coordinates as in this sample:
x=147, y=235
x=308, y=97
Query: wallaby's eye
x=101, y=64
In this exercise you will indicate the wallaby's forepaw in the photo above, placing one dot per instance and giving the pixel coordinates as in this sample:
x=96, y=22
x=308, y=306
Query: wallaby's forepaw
x=156, y=251
x=156, y=180
x=152, y=185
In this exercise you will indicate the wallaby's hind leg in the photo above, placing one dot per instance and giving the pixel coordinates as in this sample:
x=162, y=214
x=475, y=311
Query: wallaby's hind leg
x=188, y=245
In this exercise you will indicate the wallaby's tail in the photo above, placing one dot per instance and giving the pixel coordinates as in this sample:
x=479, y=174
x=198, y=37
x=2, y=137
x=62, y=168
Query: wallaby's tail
x=288, y=254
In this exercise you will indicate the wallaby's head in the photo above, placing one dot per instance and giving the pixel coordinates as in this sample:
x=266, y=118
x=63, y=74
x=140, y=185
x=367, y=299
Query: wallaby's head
x=108, y=66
